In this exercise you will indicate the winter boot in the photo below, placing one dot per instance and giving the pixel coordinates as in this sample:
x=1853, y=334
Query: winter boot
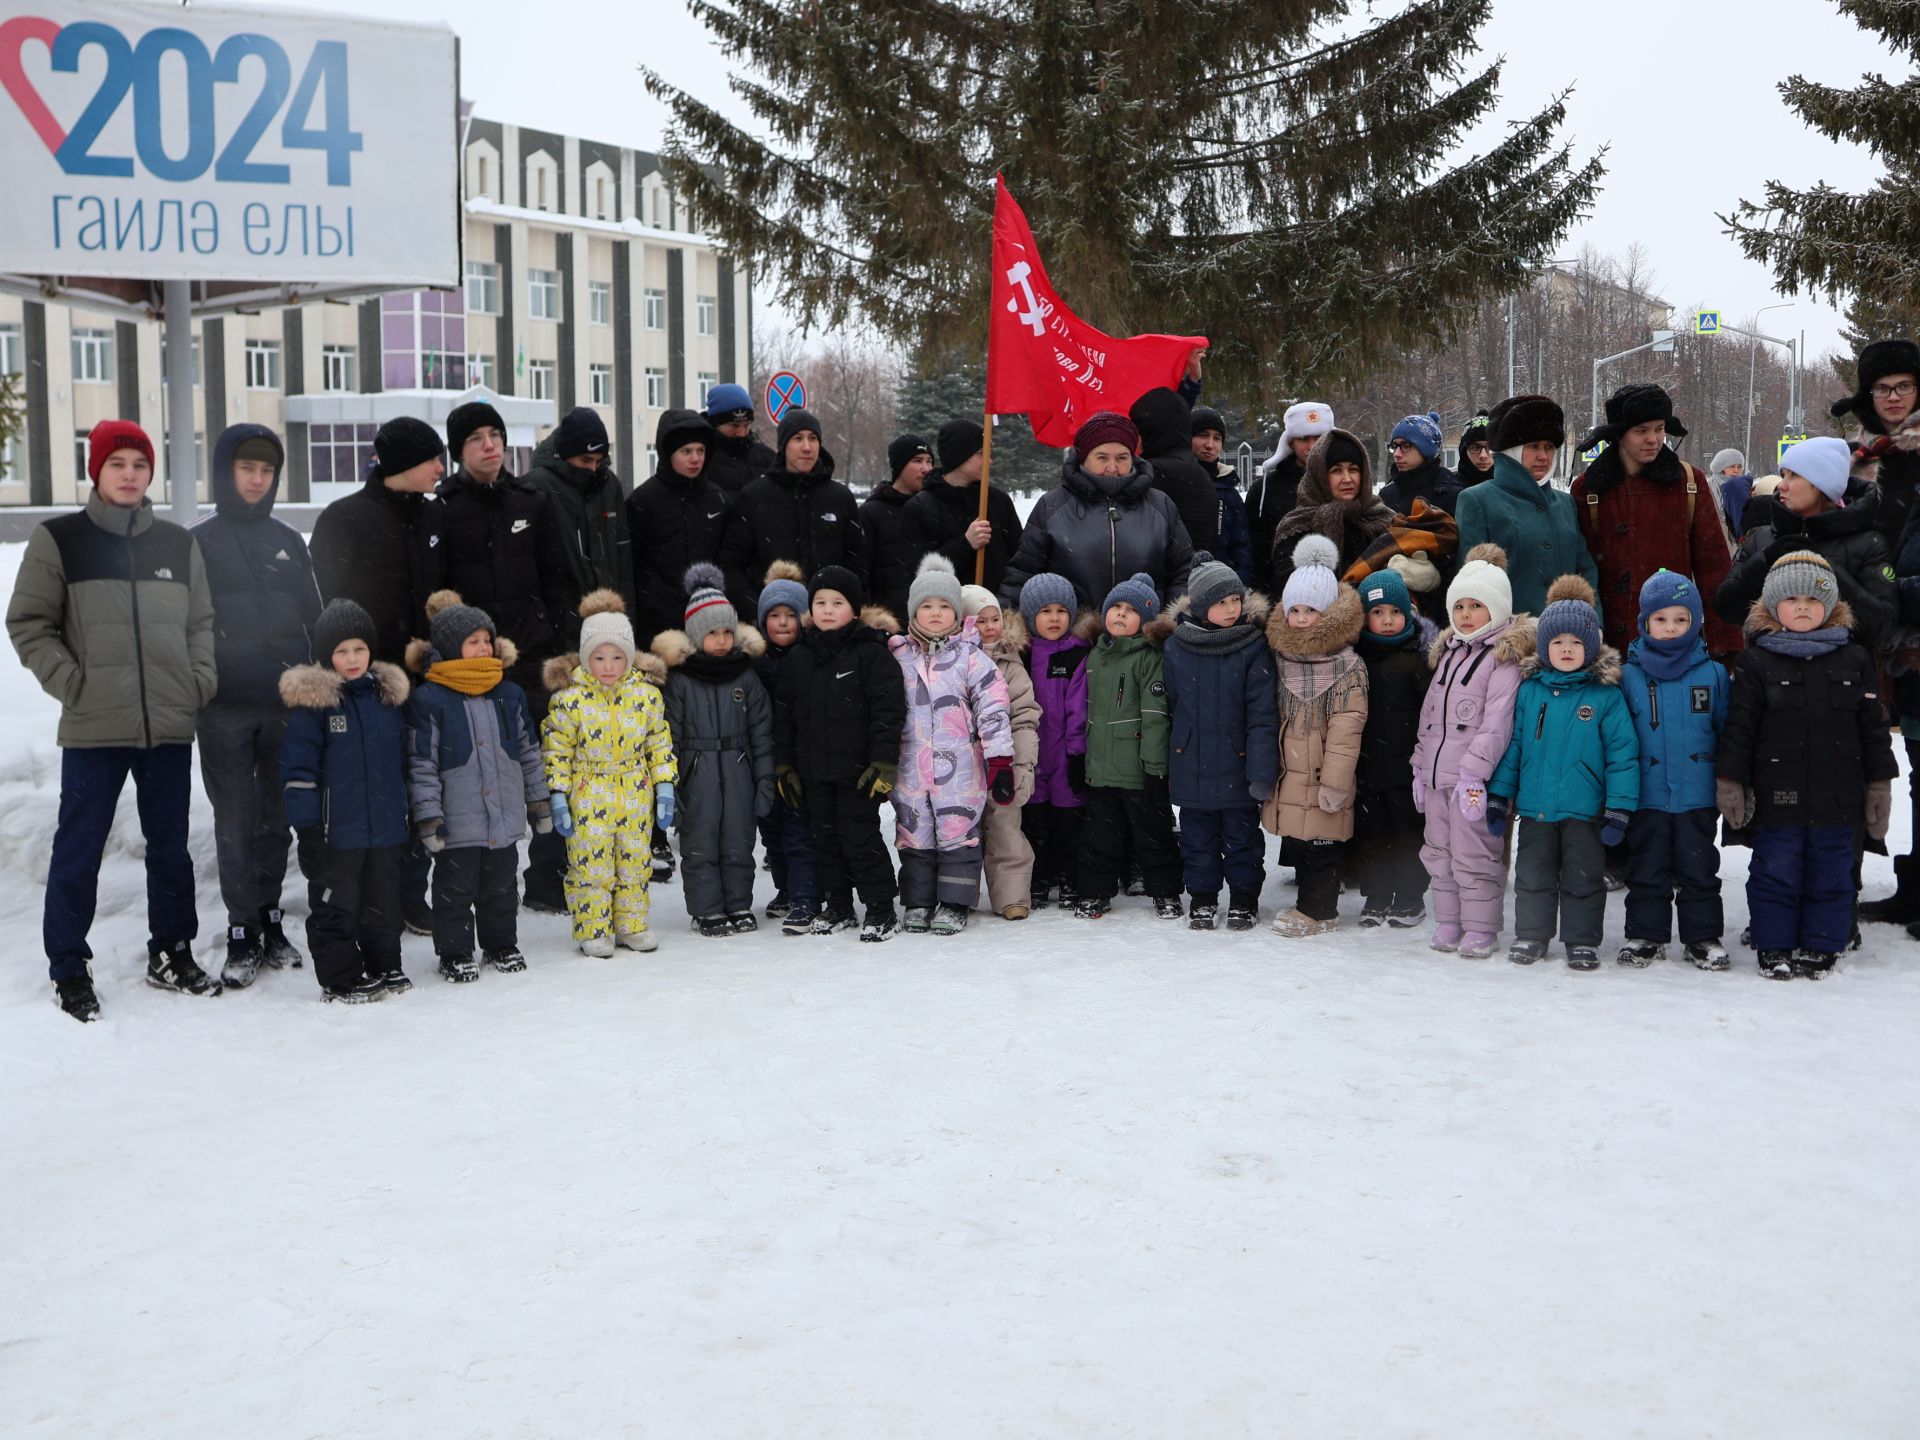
x=395, y=980
x=642, y=940
x=1527, y=952
x=459, y=969
x=1167, y=907
x=1090, y=908
x=173, y=968
x=712, y=927
x=1042, y=897
x=1641, y=953
x=1776, y=964
x=949, y=919
x=742, y=923
x=1407, y=916
x=1582, y=957
x=917, y=919
x=1135, y=885
x=1202, y=913
x=280, y=952
x=1375, y=913
x=1446, y=938
x=600, y=947
x=76, y=997
x=1015, y=912
x=245, y=956
x=881, y=923
x=837, y=916
x=1814, y=964
x=778, y=906
x=1854, y=939
x=662, y=857
x=533, y=902
x=1296, y=924
x=418, y=917
x=508, y=961
x=1242, y=917
x=362, y=991
x=1476, y=945
x=1903, y=906
x=799, y=920
x=1708, y=955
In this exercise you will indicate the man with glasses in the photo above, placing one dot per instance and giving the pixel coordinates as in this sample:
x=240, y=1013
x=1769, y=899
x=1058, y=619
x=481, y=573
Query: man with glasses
x=1476, y=452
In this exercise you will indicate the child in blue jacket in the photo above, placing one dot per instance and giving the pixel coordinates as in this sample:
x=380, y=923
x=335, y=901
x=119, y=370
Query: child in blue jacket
x=343, y=772
x=1678, y=697
x=1225, y=751
x=1571, y=774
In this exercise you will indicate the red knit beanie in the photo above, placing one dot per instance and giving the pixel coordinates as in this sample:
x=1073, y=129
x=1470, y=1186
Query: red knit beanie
x=1107, y=427
x=111, y=435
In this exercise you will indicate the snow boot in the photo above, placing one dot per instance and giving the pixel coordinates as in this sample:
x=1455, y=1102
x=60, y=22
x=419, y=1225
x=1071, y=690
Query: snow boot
x=600, y=947
x=1090, y=908
x=881, y=923
x=742, y=923
x=712, y=927
x=662, y=857
x=459, y=969
x=1167, y=907
x=508, y=961
x=76, y=997
x=174, y=969
x=1476, y=945
x=643, y=941
x=1708, y=955
x=1854, y=938
x=1640, y=953
x=1446, y=938
x=1374, y=914
x=1527, y=952
x=418, y=917
x=1015, y=912
x=778, y=906
x=245, y=956
x=395, y=980
x=363, y=991
x=1814, y=964
x=1776, y=964
x=948, y=919
x=1903, y=906
x=281, y=953
x=1296, y=924
x=917, y=919
x=1202, y=914
x=1135, y=885
x=799, y=920
x=834, y=917
x=1242, y=917
x=1582, y=957
x=1409, y=916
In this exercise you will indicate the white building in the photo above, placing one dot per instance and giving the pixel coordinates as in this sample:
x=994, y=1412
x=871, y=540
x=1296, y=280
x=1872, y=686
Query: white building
x=587, y=283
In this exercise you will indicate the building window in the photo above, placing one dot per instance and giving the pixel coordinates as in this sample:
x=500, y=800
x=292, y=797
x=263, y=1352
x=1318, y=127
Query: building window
x=656, y=389
x=656, y=309
x=483, y=287
x=263, y=365
x=13, y=459
x=601, y=191
x=13, y=350
x=705, y=309
x=195, y=348
x=423, y=340
x=480, y=371
x=537, y=185
x=708, y=379
x=540, y=379
x=600, y=384
x=480, y=186
x=339, y=454
x=80, y=456
x=599, y=302
x=543, y=294
x=339, y=368
x=92, y=359
x=653, y=461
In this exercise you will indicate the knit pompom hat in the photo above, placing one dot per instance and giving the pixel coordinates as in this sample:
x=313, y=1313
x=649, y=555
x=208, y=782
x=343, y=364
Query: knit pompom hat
x=1136, y=590
x=1043, y=590
x=1484, y=578
x=603, y=621
x=977, y=598
x=785, y=584
x=1209, y=582
x=1313, y=582
x=451, y=620
x=708, y=608
x=934, y=580
x=1801, y=573
x=1422, y=432
x=1570, y=610
x=1664, y=589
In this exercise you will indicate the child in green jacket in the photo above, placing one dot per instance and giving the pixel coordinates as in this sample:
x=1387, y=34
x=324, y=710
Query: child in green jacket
x=1127, y=735
x=1571, y=774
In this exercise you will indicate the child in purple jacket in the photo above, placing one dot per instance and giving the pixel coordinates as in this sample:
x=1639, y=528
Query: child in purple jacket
x=1465, y=723
x=1056, y=659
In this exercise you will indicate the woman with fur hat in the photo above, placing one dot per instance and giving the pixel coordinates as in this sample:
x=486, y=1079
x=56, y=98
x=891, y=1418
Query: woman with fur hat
x=1337, y=502
x=956, y=754
x=610, y=766
x=1009, y=856
x=1322, y=692
x=1642, y=509
x=722, y=726
x=475, y=781
x=1807, y=762
x=1384, y=855
x=1571, y=774
x=1466, y=721
x=1519, y=511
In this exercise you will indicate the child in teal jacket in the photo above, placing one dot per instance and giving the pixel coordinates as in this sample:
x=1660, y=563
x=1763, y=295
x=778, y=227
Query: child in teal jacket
x=1571, y=774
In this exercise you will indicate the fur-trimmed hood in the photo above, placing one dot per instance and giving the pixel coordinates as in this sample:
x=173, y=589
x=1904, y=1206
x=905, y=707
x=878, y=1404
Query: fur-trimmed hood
x=1254, y=611
x=563, y=671
x=317, y=687
x=673, y=647
x=420, y=654
x=1760, y=620
x=1604, y=668
x=1512, y=646
x=1335, y=630
x=1013, y=640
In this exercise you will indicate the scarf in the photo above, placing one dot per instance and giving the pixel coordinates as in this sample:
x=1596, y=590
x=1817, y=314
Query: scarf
x=717, y=669
x=469, y=677
x=1313, y=687
x=1409, y=633
x=1668, y=659
x=1807, y=646
x=931, y=644
x=1215, y=639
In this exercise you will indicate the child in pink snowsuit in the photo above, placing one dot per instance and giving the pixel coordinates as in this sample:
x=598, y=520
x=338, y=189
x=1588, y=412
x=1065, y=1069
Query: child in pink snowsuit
x=1465, y=724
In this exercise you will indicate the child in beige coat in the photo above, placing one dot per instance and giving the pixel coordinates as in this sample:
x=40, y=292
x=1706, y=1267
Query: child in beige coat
x=1009, y=860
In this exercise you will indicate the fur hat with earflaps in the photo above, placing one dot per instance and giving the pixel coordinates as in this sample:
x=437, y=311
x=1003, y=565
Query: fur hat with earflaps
x=1877, y=361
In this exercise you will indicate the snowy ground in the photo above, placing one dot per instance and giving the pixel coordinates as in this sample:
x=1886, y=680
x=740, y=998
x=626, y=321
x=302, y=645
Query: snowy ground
x=1050, y=1179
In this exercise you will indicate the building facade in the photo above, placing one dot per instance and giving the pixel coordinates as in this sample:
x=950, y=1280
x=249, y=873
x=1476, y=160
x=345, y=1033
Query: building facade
x=587, y=282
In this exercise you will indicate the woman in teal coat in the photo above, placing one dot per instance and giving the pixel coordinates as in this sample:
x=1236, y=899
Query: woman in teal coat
x=1519, y=511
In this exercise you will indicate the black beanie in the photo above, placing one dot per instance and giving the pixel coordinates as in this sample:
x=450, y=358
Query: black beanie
x=677, y=428
x=581, y=431
x=791, y=424
x=837, y=577
x=1343, y=448
x=404, y=442
x=1205, y=417
x=960, y=441
x=901, y=449
x=467, y=418
x=341, y=621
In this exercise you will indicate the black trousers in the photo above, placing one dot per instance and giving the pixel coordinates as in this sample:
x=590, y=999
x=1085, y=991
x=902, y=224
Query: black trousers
x=1316, y=873
x=1560, y=874
x=354, y=916
x=848, y=851
x=942, y=877
x=1054, y=833
x=1384, y=855
x=1672, y=855
x=1115, y=817
x=1224, y=845
x=475, y=883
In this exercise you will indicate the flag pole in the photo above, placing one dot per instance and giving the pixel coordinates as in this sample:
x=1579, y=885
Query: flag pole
x=986, y=484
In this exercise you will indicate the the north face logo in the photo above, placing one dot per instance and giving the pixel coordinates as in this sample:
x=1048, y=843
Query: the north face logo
x=282, y=555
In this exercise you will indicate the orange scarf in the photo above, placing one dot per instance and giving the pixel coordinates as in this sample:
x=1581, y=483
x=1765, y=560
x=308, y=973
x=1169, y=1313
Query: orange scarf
x=469, y=677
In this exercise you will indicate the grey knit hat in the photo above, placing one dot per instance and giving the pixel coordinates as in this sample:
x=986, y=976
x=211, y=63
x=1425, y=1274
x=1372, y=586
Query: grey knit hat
x=1046, y=589
x=1801, y=573
x=1723, y=458
x=1313, y=583
x=785, y=585
x=449, y=625
x=934, y=580
x=1137, y=590
x=341, y=621
x=1210, y=582
x=708, y=608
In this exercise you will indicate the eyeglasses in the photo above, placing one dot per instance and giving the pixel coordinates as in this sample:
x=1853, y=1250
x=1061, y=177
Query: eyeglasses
x=1400, y=445
x=1899, y=390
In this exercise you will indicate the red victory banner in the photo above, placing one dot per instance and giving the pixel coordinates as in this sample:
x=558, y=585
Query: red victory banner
x=1047, y=363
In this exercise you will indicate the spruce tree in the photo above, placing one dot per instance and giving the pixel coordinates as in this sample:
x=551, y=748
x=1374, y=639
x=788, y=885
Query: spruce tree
x=956, y=389
x=1236, y=168
x=1828, y=242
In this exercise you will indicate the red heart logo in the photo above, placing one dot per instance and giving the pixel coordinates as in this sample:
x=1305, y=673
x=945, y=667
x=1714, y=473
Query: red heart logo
x=14, y=35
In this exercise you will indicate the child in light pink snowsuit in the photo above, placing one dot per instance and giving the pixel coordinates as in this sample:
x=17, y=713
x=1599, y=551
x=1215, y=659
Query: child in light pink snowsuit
x=956, y=756
x=1465, y=724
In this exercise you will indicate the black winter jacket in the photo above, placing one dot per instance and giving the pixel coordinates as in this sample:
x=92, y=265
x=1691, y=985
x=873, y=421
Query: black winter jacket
x=1165, y=422
x=1098, y=531
x=591, y=509
x=938, y=517
x=1269, y=498
x=1397, y=681
x=841, y=704
x=892, y=555
x=812, y=520
x=1848, y=539
x=265, y=599
x=675, y=523
x=507, y=553
x=1806, y=734
x=385, y=550
x=1432, y=482
x=734, y=464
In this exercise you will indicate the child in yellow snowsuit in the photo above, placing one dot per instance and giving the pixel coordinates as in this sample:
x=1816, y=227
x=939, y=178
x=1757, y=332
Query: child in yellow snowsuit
x=610, y=766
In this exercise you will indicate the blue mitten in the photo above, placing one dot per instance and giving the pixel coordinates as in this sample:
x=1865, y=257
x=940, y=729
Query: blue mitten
x=562, y=816
x=1615, y=829
x=663, y=804
x=1499, y=809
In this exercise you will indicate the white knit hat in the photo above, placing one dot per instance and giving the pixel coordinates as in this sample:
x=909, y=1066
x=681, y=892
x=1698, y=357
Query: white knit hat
x=1486, y=582
x=1313, y=582
x=975, y=598
x=1824, y=463
x=603, y=621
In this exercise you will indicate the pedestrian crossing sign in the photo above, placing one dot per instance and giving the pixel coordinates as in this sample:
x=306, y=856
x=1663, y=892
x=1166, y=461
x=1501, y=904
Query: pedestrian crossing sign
x=1707, y=322
x=1786, y=443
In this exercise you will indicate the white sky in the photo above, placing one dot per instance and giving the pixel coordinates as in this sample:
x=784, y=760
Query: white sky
x=1681, y=91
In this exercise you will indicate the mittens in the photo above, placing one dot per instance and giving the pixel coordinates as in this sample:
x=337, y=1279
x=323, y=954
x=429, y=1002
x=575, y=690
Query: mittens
x=1735, y=802
x=1419, y=796
x=562, y=815
x=1333, y=801
x=663, y=804
x=1471, y=797
x=1077, y=771
x=1879, y=808
x=876, y=781
x=1000, y=779
x=786, y=783
x=1499, y=811
x=540, y=816
x=432, y=836
x=1614, y=828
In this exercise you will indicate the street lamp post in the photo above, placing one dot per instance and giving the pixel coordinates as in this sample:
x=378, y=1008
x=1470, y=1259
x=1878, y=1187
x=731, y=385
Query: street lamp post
x=1662, y=342
x=1753, y=357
